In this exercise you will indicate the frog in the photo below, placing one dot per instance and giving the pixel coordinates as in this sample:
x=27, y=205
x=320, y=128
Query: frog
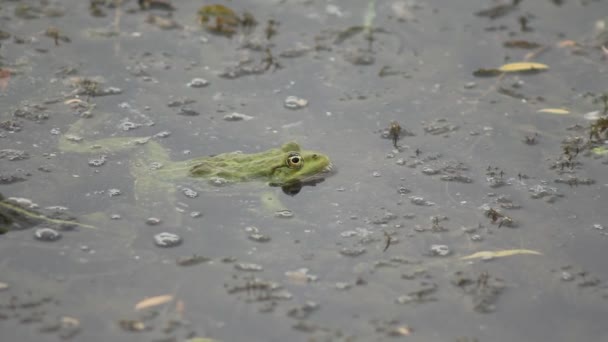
x=155, y=175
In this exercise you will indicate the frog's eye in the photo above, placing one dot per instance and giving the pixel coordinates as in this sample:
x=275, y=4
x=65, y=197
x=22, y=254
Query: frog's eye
x=294, y=160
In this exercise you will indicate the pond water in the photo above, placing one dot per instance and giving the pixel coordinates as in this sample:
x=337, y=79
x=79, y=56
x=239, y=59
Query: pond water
x=437, y=156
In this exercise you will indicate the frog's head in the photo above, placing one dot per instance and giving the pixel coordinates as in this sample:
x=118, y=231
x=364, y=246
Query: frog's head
x=299, y=166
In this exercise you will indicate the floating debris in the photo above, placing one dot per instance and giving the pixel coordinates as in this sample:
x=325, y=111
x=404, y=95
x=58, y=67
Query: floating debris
x=237, y=117
x=302, y=312
x=417, y=200
x=483, y=289
x=248, y=267
x=286, y=213
x=487, y=255
x=198, y=83
x=440, y=250
x=301, y=275
x=97, y=162
x=187, y=111
x=189, y=193
x=153, y=221
x=166, y=239
x=164, y=23
x=13, y=155
x=47, y=234
x=192, y=260
x=352, y=252
x=114, y=192
x=294, y=102
x=257, y=237
x=132, y=325
x=521, y=44
x=550, y=194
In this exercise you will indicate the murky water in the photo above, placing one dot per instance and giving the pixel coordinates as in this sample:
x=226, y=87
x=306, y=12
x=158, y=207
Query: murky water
x=373, y=252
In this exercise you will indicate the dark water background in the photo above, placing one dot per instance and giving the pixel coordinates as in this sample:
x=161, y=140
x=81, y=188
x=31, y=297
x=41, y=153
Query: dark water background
x=418, y=72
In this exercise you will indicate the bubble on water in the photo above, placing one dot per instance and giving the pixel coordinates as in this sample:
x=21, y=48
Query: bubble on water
x=237, y=117
x=97, y=162
x=294, y=102
x=153, y=221
x=417, y=200
x=198, y=83
x=155, y=166
x=190, y=193
x=111, y=91
x=55, y=131
x=286, y=213
x=440, y=250
x=248, y=267
x=257, y=237
x=73, y=137
x=566, y=276
x=166, y=239
x=376, y=174
x=196, y=214
x=218, y=181
x=127, y=125
x=47, y=234
x=162, y=134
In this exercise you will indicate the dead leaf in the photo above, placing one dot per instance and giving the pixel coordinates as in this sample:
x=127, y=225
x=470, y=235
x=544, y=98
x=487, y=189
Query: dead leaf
x=499, y=254
x=523, y=66
x=560, y=111
x=566, y=43
x=5, y=77
x=153, y=301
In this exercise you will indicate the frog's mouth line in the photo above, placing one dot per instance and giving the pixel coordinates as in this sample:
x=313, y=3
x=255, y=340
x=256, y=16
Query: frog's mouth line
x=328, y=170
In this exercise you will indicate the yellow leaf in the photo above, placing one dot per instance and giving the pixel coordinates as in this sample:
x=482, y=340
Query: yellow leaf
x=600, y=150
x=523, y=66
x=560, y=111
x=153, y=301
x=499, y=254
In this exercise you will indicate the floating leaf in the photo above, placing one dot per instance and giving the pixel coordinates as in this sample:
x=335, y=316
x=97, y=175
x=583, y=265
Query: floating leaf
x=523, y=66
x=499, y=254
x=600, y=150
x=486, y=72
x=153, y=301
x=559, y=111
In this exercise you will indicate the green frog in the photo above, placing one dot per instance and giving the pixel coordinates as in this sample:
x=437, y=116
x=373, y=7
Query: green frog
x=155, y=174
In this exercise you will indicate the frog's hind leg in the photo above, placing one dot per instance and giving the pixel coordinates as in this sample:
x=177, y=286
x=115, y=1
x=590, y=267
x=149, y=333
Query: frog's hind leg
x=76, y=140
x=154, y=196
